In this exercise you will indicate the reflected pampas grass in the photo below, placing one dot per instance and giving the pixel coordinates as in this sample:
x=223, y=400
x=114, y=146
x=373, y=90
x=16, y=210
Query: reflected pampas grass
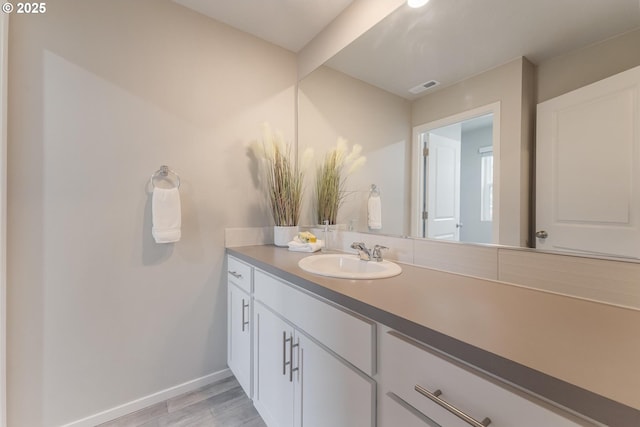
x=331, y=177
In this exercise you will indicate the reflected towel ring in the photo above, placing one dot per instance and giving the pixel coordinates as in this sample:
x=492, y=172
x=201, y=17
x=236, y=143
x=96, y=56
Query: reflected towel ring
x=164, y=172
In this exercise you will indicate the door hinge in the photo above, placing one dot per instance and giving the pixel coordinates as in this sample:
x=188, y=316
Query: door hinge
x=425, y=152
x=425, y=215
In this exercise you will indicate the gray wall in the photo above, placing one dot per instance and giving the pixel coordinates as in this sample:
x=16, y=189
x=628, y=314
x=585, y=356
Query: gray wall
x=331, y=105
x=473, y=229
x=101, y=93
x=588, y=65
x=511, y=84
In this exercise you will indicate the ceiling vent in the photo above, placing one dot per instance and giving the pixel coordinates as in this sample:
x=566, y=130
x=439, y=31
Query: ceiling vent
x=424, y=86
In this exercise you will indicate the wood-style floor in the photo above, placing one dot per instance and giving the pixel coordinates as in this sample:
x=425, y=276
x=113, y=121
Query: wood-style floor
x=221, y=404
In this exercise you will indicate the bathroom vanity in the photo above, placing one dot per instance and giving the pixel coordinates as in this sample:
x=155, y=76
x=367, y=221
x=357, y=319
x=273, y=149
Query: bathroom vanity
x=424, y=348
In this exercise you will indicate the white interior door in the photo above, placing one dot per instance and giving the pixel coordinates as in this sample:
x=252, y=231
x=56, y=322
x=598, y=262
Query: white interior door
x=419, y=165
x=443, y=185
x=588, y=169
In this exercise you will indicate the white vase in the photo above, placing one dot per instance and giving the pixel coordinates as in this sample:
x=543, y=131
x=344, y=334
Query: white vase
x=282, y=235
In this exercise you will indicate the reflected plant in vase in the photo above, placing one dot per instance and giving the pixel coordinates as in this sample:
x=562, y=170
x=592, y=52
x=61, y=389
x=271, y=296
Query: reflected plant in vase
x=283, y=182
x=331, y=177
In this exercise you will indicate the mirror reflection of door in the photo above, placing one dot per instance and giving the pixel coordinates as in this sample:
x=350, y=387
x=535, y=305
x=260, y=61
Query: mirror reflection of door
x=442, y=157
x=588, y=169
x=457, y=181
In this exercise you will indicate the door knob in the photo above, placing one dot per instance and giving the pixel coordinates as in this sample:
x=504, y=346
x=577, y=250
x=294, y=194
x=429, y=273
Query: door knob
x=542, y=234
x=459, y=225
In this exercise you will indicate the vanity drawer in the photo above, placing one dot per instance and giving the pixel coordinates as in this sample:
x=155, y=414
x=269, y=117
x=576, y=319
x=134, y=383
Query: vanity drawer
x=394, y=412
x=348, y=335
x=239, y=273
x=405, y=364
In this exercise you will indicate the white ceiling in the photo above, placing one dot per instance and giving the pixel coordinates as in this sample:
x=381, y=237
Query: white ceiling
x=290, y=24
x=451, y=40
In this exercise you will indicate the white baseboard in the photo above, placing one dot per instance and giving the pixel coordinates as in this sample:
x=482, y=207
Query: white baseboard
x=143, y=402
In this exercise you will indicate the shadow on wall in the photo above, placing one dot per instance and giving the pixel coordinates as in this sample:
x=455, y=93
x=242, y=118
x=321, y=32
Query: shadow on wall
x=110, y=55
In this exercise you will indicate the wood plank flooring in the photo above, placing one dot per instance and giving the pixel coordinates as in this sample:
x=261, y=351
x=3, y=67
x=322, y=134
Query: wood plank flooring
x=221, y=404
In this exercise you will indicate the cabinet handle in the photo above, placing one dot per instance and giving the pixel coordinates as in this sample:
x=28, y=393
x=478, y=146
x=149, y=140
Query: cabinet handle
x=235, y=274
x=244, y=321
x=291, y=368
x=285, y=340
x=449, y=407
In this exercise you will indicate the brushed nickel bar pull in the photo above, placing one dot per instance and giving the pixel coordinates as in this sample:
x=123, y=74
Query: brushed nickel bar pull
x=244, y=321
x=235, y=274
x=285, y=340
x=449, y=407
x=291, y=368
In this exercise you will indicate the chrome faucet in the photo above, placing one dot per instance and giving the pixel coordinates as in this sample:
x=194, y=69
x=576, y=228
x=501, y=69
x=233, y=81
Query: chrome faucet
x=363, y=252
x=366, y=254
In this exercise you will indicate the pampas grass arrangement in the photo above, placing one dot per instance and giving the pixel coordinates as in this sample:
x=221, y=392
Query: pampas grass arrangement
x=283, y=178
x=331, y=178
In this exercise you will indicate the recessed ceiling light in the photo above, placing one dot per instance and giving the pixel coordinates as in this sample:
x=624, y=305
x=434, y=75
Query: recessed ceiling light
x=417, y=3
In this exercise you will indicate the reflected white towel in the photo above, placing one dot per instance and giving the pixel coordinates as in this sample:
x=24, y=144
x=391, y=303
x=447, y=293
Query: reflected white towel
x=374, y=213
x=166, y=215
x=297, y=246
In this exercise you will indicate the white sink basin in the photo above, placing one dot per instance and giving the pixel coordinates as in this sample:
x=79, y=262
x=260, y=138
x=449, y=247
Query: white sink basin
x=348, y=267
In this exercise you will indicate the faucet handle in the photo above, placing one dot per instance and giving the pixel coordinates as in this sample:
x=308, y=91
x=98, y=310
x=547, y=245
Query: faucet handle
x=363, y=252
x=377, y=252
x=359, y=245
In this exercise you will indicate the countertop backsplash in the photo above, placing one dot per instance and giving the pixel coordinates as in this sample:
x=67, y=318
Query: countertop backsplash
x=609, y=281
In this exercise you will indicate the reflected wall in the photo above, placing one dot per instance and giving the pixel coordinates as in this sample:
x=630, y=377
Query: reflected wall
x=331, y=105
x=512, y=85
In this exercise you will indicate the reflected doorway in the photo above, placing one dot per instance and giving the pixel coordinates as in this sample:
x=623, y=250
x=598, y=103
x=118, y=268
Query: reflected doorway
x=456, y=180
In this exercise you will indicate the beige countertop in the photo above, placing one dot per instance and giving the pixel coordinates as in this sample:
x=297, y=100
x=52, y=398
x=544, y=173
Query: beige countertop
x=529, y=337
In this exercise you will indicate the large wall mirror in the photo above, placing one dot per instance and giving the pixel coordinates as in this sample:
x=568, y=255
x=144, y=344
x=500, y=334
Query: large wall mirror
x=465, y=71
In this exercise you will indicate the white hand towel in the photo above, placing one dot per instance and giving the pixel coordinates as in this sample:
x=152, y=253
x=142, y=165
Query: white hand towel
x=374, y=213
x=166, y=215
x=298, y=246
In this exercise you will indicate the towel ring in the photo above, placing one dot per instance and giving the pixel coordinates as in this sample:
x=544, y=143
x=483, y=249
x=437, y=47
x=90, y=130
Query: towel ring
x=164, y=172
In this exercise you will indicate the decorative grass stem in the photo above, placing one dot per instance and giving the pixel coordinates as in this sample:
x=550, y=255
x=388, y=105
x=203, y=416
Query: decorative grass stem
x=331, y=178
x=283, y=178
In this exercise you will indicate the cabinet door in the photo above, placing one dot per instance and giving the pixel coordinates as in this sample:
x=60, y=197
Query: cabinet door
x=330, y=392
x=239, y=335
x=273, y=389
x=394, y=412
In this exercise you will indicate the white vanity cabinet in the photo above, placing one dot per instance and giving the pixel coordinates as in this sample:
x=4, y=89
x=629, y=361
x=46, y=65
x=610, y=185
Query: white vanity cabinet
x=239, y=325
x=298, y=380
x=310, y=362
x=421, y=384
x=274, y=390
